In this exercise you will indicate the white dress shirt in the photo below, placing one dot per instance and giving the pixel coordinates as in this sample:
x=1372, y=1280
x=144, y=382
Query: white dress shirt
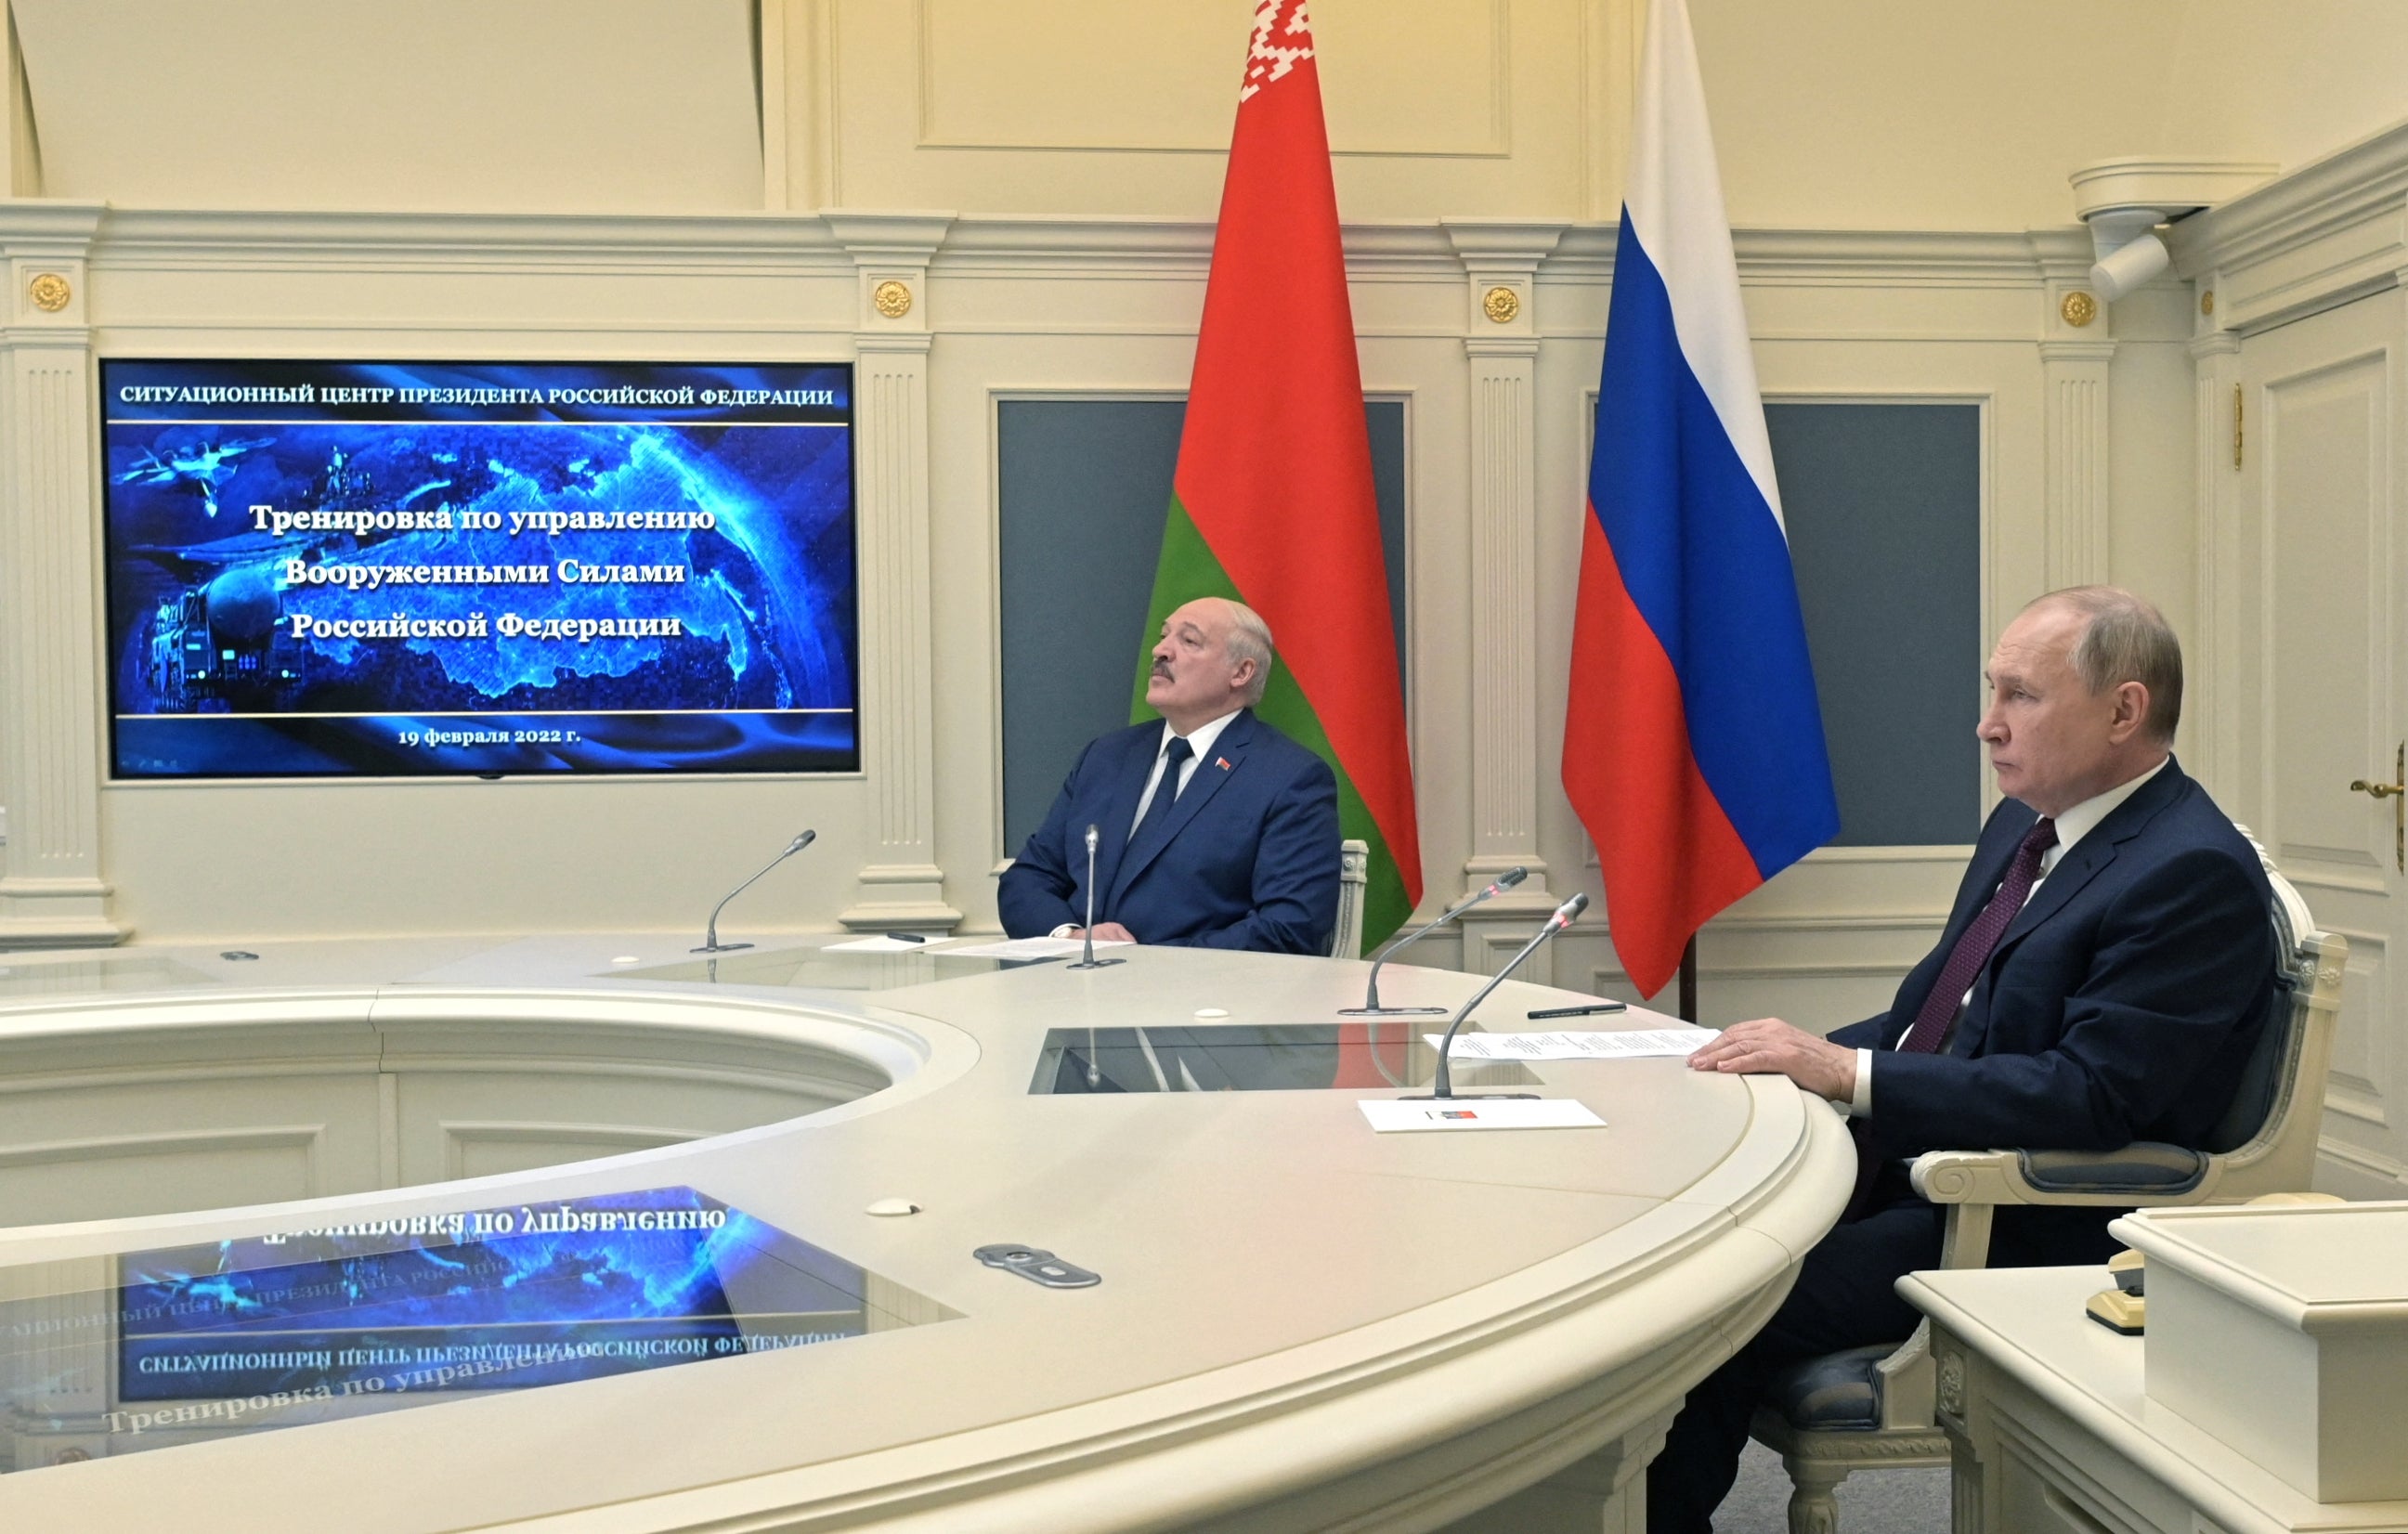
x=2071, y=826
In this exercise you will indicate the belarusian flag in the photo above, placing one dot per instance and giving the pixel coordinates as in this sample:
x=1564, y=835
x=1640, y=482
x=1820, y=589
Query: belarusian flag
x=1272, y=505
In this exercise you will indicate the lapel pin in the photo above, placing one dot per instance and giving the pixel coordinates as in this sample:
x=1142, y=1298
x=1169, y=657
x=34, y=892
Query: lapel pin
x=1221, y=762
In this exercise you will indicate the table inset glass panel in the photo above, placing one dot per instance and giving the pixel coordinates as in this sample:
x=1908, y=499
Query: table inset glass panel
x=1256, y=1058
x=153, y=1349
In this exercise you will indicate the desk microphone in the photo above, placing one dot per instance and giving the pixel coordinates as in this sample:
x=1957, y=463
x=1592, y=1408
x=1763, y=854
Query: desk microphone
x=1444, y=1087
x=711, y=943
x=1089, y=961
x=1371, y=1007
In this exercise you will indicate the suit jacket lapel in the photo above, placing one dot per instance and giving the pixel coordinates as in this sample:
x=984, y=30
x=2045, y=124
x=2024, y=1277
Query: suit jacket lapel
x=1164, y=825
x=2073, y=870
x=1120, y=809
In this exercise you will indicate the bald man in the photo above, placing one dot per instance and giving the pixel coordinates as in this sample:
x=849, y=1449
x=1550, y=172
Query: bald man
x=1214, y=831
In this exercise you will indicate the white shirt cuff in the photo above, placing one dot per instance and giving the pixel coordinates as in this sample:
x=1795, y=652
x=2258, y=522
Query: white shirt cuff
x=1064, y=930
x=1860, y=1102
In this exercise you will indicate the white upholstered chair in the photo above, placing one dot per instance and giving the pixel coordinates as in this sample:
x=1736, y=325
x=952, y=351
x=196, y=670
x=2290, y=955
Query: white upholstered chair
x=1872, y=1407
x=1353, y=873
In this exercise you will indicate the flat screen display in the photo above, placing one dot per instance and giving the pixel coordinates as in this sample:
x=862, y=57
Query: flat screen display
x=354, y=568
x=236, y=1337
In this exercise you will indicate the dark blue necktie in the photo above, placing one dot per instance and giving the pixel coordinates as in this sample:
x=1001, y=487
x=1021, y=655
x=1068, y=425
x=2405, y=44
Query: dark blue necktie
x=1165, y=792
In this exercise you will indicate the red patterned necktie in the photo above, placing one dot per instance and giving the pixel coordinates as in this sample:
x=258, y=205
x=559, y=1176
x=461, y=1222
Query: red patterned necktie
x=1980, y=940
x=1965, y=961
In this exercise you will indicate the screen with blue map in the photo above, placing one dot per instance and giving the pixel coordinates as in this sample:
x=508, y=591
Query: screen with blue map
x=345, y=568
x=229, y=1337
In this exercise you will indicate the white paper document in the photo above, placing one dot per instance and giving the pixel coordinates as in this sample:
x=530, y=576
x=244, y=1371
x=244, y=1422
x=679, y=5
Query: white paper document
x=883, y=944
x=1025, y=948
x=1405, y=1115
x=1619, y=1044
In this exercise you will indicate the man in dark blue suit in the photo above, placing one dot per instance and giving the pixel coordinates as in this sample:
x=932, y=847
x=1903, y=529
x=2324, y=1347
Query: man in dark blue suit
x=1214, y=831
x=2103, y=978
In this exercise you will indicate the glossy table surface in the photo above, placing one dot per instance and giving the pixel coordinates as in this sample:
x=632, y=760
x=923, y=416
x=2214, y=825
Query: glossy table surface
x=1291, y=1305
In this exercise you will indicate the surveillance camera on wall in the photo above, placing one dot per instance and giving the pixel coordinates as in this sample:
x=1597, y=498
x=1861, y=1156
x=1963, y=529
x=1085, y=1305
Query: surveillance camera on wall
x=2128, y=247
x=2123, y=201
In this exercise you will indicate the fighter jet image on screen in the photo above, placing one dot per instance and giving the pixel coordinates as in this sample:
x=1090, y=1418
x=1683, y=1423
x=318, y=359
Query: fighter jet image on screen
x=203, y=466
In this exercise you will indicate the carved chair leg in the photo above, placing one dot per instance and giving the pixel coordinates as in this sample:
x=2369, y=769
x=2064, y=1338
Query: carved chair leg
x=1813, y=1509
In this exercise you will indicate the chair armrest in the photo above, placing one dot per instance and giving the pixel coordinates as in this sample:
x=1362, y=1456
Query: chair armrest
x=1970, y=1177
x=2143, y=1172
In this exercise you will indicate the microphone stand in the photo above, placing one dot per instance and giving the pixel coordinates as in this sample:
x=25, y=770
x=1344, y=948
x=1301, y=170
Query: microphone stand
x=1089, y=961
x=1371, y=1007
x=1444, y=1089
x=711, y=943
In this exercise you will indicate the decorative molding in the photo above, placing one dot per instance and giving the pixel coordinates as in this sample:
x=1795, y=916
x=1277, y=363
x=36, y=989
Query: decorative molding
x=2210, y=718
x=2378, y=1176
x=278, y=239
x=903, y=886
x=301, y=1137
x=51, y=891
x=832, y=241
x=602, y=1139
x=1502, y=358
x=2330, y=231
x=2075, y=426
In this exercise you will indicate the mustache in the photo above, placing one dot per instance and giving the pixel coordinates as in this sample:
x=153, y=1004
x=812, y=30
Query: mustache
x=1161, y=668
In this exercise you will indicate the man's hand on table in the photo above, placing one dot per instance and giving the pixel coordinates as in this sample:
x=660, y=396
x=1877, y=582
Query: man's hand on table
x=1767, y=1046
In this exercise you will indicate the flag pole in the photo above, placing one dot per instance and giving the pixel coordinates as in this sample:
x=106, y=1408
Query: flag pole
x=1689, y=980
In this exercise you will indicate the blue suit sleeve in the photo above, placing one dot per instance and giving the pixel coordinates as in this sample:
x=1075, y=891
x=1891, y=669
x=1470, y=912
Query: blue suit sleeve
x=2180, y=959
x=1034, y=895
x=1295, y=872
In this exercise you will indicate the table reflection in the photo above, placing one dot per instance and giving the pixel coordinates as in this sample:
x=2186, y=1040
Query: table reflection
x=105, y=1357
x=1254, y=1057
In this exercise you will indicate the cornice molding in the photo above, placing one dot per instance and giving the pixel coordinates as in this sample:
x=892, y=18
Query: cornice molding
x=288, y=238
x=1502, y=244
x=41, y=225
x=831, y=242
x=1861, y=257
x=2351, y=186
x=905, y=239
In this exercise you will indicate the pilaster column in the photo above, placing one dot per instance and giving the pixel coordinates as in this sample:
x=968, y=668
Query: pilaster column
x=2210, y=715
x=901, y=886
x=1501, y=261
x=51, y=891
x=2075, y=352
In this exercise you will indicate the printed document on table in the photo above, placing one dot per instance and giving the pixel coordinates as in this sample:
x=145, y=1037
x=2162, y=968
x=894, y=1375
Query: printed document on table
x=1617, y=1044
x=1025, y=948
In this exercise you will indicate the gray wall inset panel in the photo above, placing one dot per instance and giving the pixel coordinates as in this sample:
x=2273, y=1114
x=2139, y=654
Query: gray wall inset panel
x=1883, y=505
x=1081, y=490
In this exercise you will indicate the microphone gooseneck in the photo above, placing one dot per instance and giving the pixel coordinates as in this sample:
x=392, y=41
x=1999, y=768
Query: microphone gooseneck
x=1561, y=918
x=1371, y=1007
x=711, y=943
x=1087, y=959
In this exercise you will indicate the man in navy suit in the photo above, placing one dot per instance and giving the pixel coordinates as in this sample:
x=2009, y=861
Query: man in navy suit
x=1214, y=831
x=2103, y=979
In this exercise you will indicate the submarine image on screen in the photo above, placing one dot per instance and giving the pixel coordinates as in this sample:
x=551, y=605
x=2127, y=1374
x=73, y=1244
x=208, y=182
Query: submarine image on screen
x=293, y=596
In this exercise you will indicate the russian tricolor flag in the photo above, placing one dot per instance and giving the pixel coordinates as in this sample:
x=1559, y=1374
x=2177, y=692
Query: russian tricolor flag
x=1693, y=742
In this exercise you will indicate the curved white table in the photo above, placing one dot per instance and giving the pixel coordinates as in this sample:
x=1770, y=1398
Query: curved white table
x=1301, y=1325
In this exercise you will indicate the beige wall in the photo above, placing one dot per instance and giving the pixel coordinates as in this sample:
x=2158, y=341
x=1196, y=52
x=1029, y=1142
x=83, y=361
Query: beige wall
x=1856, y=114
x=593, y=178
